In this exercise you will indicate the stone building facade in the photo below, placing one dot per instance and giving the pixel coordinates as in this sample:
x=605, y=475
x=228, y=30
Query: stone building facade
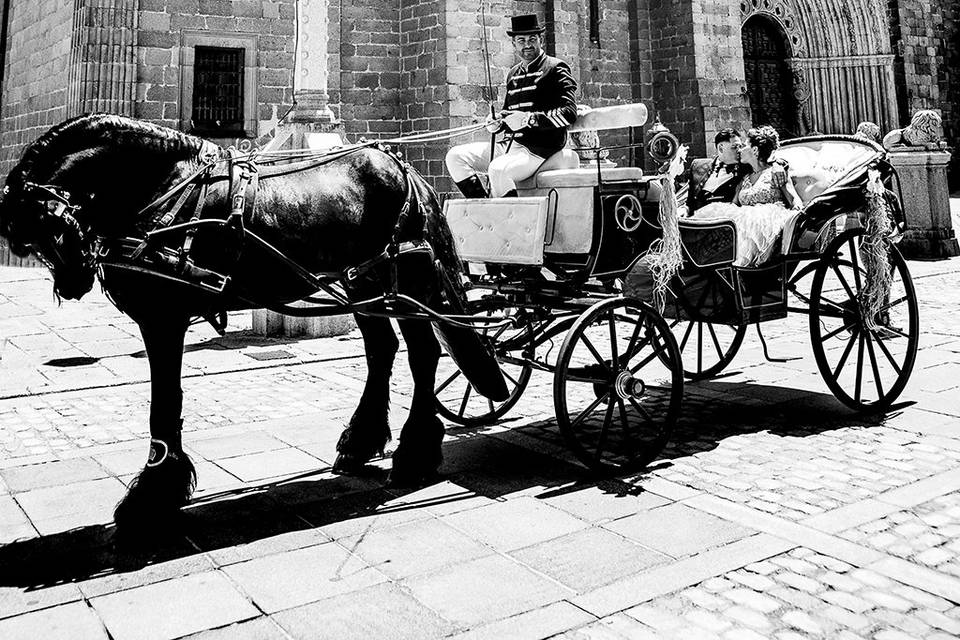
x=405, y=66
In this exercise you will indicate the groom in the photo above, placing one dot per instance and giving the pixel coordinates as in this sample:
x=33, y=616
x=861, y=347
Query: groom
x=717, y=179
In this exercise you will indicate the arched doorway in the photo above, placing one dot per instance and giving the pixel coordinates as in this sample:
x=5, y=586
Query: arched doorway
x=769, y=79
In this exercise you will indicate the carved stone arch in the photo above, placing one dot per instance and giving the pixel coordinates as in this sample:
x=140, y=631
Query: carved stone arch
x=784, y=15
x=768, y=70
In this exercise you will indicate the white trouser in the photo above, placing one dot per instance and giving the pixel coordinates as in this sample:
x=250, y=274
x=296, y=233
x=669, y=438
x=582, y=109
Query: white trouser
x=506, y=169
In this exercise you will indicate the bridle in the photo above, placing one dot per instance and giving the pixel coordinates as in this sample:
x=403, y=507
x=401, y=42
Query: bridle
x=56, y=205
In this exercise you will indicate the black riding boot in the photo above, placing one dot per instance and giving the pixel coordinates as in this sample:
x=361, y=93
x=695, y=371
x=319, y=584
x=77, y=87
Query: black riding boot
x=472, y=187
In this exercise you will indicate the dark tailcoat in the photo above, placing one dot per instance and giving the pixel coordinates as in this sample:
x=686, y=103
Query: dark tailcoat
x=547, y=90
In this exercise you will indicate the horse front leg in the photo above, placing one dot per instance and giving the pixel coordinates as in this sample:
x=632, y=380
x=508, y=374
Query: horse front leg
x=418, y=456
x=368, y=431
x=168, y=479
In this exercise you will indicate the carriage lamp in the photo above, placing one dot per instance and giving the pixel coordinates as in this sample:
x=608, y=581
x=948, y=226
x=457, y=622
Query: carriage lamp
x=661, y=144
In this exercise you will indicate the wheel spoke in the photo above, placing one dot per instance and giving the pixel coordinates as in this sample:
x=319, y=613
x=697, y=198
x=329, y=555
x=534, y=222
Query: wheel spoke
x=854, y=261
x=833, y=333
x=699, y=347
x=589, y=410
x=639, y=407
x=886, y=352
x=686, y=335
x=593, y=350
x=614, y=352
x=835, y=305
x=510, y=377
x=640, y=365
x=466, y=398
x=876, y=369
x=633, y=341
x=490, y=405
x=716, y=342
x=846, y=354
x=447, y=382
x=607, y=419
x=843, y=281
x=625, y=419
x=859, y=383
x=891, y=305
x=572, y=377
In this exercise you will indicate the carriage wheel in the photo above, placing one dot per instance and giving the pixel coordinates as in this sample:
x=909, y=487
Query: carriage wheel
x=618, y=385
x=707, y=348
x=864, y=367
x=459, y=402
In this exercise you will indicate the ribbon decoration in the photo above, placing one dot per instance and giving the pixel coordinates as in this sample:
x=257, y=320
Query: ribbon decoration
x=875, y=253
x=665, y=256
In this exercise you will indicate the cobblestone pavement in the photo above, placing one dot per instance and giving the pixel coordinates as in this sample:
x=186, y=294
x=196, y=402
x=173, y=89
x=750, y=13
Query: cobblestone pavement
x=773, y=513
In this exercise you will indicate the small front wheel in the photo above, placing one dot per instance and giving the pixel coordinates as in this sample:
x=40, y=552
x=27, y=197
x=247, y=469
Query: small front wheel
x=618, y=385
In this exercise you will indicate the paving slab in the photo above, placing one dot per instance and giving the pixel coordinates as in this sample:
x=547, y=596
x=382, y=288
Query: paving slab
x=677, y=530
x=173, y=608
x=54, y=509
x=484, y=590
x=293, y=578
x=263, y=628
x=413, y=548
x=51, y=474
x=588, y=559
x=514, y=523
x=382, y=611
x=544, y=622
x=74, y=621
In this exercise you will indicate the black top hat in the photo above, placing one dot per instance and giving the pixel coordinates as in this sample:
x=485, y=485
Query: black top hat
x=524, y=25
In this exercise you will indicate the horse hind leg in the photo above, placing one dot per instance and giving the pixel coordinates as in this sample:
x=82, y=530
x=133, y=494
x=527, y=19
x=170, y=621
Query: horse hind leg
x=419, y=454
x=368, y=431
x=168, y=479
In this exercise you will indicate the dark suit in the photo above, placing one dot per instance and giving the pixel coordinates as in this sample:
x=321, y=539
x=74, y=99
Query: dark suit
x=700, y=171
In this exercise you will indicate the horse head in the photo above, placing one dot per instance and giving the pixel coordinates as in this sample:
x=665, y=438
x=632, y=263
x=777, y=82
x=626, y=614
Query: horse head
x=40, y=219
x=84, y=179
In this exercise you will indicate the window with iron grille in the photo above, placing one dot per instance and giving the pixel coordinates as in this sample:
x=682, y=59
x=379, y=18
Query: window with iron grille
x=218, y=90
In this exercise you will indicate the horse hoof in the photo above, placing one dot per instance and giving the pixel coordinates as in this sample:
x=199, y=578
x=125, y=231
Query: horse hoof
x=412, y=478
x=348, y=464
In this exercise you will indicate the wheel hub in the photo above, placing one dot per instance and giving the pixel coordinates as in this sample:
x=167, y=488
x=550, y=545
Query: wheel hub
x=627, y=387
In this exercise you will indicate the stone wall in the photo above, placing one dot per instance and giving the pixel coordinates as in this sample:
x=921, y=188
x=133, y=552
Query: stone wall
x=162, y=27
x=37, y=75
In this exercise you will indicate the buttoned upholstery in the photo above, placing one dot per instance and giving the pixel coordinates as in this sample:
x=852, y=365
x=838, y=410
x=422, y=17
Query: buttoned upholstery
x=499, y=230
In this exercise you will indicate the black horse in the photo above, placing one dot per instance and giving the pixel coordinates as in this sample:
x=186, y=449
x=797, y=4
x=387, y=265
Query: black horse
x=87, y=183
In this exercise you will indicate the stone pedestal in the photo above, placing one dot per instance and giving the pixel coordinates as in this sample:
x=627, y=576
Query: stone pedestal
x=926, y=203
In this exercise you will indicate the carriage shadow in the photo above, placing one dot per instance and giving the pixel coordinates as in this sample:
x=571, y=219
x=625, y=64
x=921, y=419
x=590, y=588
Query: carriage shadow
x=265, y=517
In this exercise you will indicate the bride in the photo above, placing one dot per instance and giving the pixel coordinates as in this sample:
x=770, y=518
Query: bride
x=759, y=209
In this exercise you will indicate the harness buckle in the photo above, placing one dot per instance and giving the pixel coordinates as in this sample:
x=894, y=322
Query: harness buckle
x=352, y=274
x=238, y=202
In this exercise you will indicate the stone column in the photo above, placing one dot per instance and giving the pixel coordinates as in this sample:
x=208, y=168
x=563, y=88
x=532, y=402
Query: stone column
x=310, y=125
x=926, y=203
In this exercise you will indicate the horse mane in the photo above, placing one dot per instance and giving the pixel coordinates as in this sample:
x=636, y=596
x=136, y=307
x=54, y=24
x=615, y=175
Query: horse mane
x=87, y=130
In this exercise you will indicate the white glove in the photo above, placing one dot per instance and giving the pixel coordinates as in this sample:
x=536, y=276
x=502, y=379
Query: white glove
x=516, y=120
x=493, y=125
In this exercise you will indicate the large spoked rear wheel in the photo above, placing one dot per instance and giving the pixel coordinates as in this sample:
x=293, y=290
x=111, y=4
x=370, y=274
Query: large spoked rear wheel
x=459, y=402
x=865, y=365
x=707, y=348
x=618, y=385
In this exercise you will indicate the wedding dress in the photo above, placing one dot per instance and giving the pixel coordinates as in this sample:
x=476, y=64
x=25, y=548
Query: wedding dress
x=759, y=218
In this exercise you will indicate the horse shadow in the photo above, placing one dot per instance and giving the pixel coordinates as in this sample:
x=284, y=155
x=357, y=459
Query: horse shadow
x=475, y=463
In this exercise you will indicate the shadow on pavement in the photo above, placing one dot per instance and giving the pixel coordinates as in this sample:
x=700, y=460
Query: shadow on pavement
x=491, y=467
